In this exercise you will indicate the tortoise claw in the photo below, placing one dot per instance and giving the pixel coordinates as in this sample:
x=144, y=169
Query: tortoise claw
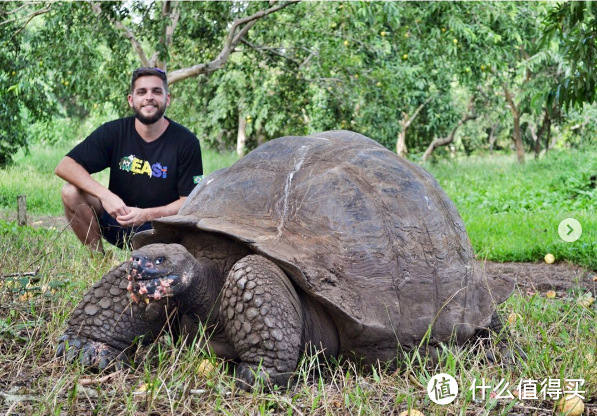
x=90, y=353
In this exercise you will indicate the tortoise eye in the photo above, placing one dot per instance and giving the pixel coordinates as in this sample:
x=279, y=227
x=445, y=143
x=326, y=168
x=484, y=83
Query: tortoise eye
x=159, y=260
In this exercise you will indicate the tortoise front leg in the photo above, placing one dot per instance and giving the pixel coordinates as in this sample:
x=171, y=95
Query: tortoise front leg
x=263, y=319
x=106, y=323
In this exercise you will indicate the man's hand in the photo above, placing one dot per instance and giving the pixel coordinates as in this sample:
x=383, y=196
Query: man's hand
x=114, y=205
x=134, y=217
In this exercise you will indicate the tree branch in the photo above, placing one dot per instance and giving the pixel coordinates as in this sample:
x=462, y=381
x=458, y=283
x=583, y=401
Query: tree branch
x=125, y=31
x=29, y=17
x=172, y=14
x=265, y=50
x=407, y=124
x=470, y=114
x=232, y=40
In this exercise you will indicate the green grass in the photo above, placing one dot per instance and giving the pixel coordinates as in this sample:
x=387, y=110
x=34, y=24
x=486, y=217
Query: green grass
x=512, y=212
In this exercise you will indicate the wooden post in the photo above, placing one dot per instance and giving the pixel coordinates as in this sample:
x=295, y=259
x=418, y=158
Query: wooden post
x=22, y=210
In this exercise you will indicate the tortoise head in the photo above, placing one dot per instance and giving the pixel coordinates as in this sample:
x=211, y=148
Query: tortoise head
x=158, y=271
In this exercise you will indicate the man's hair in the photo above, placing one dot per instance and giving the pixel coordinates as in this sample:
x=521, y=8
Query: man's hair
x=145, y=72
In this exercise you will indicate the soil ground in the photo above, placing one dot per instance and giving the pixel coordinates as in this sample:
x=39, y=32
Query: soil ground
x=542, y=277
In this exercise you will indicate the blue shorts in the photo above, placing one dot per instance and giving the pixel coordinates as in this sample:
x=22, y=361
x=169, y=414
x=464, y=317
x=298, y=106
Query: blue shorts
x=116, y=234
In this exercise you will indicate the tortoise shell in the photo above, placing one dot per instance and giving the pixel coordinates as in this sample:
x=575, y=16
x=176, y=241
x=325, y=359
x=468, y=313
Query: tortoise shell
x=369, y=235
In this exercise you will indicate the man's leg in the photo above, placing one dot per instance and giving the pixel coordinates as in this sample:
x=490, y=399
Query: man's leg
x=80, y=209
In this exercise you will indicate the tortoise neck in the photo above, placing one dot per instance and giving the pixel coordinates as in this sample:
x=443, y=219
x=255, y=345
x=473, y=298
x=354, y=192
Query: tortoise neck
x=201, y=298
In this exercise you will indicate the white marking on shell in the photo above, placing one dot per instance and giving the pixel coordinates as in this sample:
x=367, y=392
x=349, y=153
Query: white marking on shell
x=428, y=203
x=287, y=186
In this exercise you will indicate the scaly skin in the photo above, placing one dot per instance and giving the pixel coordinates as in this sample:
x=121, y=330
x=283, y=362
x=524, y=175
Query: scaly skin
x=256, y=315
x=263, y=318
x=106, y=323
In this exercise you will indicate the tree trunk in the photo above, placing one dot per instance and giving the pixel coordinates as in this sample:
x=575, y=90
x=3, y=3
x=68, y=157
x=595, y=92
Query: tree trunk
x=405, y=123
x=470, y=114
x=260, y=139
x=241, y=139
x=517, y=133
x=401, y=149
x=545, y=127
x=493, y=136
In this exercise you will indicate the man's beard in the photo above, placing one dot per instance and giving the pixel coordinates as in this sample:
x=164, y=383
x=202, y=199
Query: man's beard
x=160, y=110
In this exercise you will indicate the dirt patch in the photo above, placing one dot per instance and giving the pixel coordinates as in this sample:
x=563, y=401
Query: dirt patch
x=37, y=221
x=542, y=277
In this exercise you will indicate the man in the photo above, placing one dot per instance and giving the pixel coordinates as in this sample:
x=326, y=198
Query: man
x=154, y=165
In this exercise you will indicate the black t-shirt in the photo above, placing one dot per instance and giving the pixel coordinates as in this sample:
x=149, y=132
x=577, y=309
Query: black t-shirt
x=142, y=174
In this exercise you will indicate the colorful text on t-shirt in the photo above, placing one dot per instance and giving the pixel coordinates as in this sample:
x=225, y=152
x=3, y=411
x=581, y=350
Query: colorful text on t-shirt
x=140, y=167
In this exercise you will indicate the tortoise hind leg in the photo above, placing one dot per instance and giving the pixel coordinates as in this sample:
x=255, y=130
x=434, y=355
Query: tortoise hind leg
x=106, y=323
x=263, y=318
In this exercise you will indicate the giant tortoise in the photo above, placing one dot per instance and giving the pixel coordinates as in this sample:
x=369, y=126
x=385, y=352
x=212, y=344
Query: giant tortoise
x=328, y=242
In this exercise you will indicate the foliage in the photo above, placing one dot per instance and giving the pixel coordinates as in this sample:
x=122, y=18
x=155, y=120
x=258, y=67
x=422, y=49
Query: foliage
x=573, y=26
x=308, y=67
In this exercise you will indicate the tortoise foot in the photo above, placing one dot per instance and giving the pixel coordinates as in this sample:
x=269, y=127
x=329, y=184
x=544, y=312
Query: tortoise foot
x=90, y=353
x=251, y=377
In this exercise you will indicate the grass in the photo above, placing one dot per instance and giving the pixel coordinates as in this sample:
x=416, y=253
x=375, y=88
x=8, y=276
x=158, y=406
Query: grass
x=511, y=213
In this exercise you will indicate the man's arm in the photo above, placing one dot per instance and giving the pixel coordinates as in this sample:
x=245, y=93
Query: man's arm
x=138, y=216
x=76, y=175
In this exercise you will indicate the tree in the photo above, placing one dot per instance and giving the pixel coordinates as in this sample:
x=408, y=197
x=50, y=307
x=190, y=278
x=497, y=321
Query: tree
x=22, y=96
x=573, y=25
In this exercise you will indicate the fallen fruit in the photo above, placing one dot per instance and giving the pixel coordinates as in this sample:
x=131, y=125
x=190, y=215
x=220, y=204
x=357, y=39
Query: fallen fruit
x=206, y=369
x=595, y=278
x=585, y=301
x=570, y=406
x=550, y=294
x=549, y=258
x=411, y=412
x=513, y=317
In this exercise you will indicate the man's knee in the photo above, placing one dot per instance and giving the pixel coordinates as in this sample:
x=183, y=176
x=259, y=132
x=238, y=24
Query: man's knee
x=74, y=198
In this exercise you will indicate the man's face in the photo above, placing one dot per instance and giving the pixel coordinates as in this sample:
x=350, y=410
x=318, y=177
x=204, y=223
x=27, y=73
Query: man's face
x=149, y=99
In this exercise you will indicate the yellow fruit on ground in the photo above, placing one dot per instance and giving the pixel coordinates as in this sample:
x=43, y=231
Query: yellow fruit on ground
x=585, y=301
x=383, y=33
x=411, y=412
x=595, y=278
x=550, y=258
x=405, y=56
x=550, y=294
x=569, y=406
x=455, y=41
x=378, y=84
x=444, y=29
x=345, y=43
x=206, y=369
x=513, y=317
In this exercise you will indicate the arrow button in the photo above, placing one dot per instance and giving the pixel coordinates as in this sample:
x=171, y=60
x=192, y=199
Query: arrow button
x=570, y=230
